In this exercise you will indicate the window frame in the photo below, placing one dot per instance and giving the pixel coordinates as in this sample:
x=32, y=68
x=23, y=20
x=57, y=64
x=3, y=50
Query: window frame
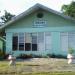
x=61, y=34
x=24, y=36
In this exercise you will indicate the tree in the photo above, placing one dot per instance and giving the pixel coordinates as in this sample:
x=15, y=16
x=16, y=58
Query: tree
x=69, y=9
x=6, y=17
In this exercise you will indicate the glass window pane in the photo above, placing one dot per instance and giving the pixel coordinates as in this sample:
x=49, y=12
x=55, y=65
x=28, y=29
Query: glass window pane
x=15, y=41
x=34, y=41
x=71, y=37
x=27, y=46
x=21, y=41
x=21, y=37
x=64, y=41
x=48, y=41
x=40, y=37
x=28, y=41
x=41, y=45
x=28, y=38
x=21, y=46
x=34, y=38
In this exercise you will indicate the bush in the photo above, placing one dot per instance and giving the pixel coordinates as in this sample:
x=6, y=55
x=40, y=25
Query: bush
x=36, y=56
x=51, y=55
x=24, y=56
x=71, y=50
x=56, y=56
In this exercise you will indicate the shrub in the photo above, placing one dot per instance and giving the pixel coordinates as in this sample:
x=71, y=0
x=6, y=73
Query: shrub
x=24, y=56
x=56, y=56
x=71, y=50
x=36, y=56
x=51, y=55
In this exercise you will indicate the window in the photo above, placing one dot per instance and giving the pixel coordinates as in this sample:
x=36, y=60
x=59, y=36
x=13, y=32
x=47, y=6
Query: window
x=67, y=40
x=40, y=15
x=15, y=41
x=28, y=41
x=41, y=44
x=21, y=41
x=71, y=39
x=31, y=41
x=34, y=41
x=64, y=41
x=48, y=41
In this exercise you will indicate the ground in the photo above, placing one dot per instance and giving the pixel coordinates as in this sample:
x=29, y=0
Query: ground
x=38, y=66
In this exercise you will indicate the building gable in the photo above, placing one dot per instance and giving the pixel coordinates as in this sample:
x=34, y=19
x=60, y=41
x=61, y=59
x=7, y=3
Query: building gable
x=48, y=20
x=35, y=8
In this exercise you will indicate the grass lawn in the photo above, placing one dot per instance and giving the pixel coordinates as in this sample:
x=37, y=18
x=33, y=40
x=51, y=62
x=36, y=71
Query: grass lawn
x=52, y=73
x=42, y=66
x=43, y=73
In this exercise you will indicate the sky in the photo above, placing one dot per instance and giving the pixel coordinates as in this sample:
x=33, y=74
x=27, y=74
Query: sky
x=18, y=6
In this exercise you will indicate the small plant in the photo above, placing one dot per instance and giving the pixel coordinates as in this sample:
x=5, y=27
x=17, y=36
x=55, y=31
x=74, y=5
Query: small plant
x=70, y=50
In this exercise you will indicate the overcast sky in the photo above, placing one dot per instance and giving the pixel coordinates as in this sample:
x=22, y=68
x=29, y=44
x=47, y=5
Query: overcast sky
x=18, y=6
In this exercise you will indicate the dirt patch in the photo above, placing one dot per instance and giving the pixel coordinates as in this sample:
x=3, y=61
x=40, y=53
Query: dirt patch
x=47, y=65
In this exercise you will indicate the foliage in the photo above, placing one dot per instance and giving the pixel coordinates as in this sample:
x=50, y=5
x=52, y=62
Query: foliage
x=52, y=73
x=37, y=56
x=7, y=17
x=56, y=56
x=69, y=9
x=24, y=56
x=71, y=50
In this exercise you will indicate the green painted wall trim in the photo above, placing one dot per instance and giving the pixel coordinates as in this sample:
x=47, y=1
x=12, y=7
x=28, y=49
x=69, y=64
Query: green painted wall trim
x=51, y=29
